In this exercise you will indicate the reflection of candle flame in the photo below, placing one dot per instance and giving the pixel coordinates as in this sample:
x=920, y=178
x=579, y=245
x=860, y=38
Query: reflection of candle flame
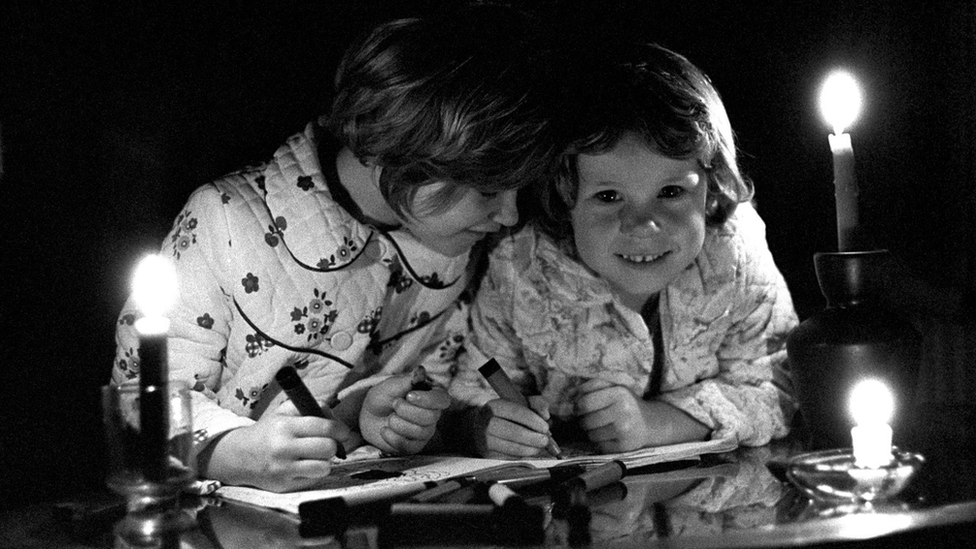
x=154, y=291
x=840, y=100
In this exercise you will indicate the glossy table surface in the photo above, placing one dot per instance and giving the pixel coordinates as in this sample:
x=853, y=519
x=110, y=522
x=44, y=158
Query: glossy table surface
x=738, y=499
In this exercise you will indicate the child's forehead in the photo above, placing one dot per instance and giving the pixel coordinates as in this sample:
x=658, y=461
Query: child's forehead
x=636, y=164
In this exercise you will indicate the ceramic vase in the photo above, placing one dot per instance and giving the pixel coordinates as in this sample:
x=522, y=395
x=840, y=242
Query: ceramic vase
x=855, y=337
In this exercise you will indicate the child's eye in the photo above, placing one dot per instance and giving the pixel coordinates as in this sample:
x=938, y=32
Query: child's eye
x=672, y=191
x=489, y=195
x=607, y=196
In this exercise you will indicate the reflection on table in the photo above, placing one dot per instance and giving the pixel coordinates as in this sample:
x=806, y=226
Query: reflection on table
x=736, y=499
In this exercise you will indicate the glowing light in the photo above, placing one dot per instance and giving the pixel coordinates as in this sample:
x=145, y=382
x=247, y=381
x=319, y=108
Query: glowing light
x=154, y=291
x=871, y=404
x=840, y=100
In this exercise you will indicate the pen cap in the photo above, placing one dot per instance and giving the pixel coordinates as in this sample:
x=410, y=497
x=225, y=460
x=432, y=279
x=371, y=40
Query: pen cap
x=605, y=474
x=501, y=383
x=288, y=378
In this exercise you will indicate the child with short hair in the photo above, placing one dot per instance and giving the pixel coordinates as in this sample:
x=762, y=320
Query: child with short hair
x=341, y=254
x=642, y=306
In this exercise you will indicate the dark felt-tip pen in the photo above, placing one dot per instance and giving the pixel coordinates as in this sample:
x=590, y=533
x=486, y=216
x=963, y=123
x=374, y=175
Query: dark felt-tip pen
x=598, y=477
x=555, y=475
x=299, y=394
x=502, y=384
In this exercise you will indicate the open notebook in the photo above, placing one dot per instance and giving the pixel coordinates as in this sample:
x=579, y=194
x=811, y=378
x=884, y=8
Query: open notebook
x=366, y=476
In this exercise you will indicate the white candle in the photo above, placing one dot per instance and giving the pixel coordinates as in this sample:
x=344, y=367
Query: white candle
x=840, y=101
x=154, y=291
x=871, y=404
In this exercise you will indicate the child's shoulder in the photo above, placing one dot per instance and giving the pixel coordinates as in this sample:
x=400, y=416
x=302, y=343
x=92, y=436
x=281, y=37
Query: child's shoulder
x=536, y=259
x=737, y=250
x=519, y=248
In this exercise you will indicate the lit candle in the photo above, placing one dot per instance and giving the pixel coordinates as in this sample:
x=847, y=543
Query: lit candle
x=840, y=101
x=154, y=291
x=871, y=405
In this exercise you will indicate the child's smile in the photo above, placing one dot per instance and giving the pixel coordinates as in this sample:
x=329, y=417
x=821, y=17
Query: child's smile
x=643, y=258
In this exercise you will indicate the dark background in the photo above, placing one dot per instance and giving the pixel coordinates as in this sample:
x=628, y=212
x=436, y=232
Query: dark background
x=110, y=117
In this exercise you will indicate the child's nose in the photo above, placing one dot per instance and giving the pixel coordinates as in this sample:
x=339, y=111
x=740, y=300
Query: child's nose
x=639, y=221
x=507, y=209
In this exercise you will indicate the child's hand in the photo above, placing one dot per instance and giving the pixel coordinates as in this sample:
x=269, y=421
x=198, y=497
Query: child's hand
x=613, y=417
x=283, y=451
x=399, y=420
x=617, y=420
x=506, y=430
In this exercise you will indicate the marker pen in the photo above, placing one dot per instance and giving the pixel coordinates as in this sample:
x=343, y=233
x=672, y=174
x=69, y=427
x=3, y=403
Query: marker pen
x=506, y=389
x=299, y=394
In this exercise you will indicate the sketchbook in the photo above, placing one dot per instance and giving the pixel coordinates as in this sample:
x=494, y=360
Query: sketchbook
x=368, y=476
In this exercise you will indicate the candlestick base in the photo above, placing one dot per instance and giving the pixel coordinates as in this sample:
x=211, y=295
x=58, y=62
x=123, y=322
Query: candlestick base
x=832, y=475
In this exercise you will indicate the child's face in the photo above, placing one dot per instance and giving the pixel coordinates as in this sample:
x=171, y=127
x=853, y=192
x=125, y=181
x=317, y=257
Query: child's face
x=455, y=230
x=639, y=218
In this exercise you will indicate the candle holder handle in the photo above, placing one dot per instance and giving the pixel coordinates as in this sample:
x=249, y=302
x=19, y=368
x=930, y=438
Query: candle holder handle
x=855, y=337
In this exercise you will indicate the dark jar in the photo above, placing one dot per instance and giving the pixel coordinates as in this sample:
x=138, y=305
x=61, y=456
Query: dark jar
x=854, y=338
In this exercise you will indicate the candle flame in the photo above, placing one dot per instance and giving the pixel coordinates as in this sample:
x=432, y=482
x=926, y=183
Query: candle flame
x=840, y=100
x=871, y=402
x=154, y=286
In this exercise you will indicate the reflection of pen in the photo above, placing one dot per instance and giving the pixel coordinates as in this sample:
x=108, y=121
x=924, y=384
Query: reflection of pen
x=555, y=475
x=299, y=394
x=507, y=390
x=498, y=473
x=598, y=477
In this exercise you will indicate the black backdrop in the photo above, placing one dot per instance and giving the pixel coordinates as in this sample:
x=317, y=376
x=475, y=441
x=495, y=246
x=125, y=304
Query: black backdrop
x=110, y=117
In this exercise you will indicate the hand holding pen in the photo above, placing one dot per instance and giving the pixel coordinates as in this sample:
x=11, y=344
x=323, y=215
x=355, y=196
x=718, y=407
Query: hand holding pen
x=518, y=426
x=400, y=414
x=290, y=382
x=282, y=451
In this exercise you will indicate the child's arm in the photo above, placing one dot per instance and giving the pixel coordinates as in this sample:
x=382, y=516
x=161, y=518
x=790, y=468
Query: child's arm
x=617, y=420
x=480, y=422
x=750, y=398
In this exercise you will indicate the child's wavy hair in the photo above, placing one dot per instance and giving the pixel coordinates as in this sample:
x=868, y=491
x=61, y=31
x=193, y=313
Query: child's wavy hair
x=658, y=95
x=455, y=98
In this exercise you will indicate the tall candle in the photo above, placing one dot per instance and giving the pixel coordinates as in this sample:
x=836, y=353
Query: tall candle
x=154, y=290
x=840, y=101
x=871, y=404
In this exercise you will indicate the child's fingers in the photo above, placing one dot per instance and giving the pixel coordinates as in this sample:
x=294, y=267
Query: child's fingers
x=410, y=430
x=505, y=439
x=311, y=468
x=433, y=399
x=601, y=434
x=518, y=414
x=506, y=449
x=516, y=434
x=314, y=448
x=593, y=401
x=540, y=406
x=593, y=385
x=401, y=444
x=415, y=414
